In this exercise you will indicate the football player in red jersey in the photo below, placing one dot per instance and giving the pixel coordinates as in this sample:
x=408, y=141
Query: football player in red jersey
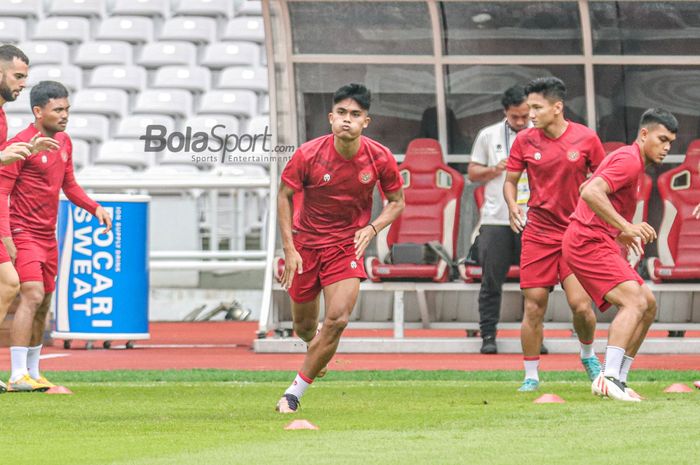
x=325, y=239
x=558, y=155
x=14, y=68
x=31, y=187
x=599, y=225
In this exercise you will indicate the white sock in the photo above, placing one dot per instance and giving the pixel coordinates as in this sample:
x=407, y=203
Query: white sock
x=531, y=369
x=613, y=361
x=625, y=368
x=18, y=356
x=33, y=361
x=587, y=350
x=298, y=387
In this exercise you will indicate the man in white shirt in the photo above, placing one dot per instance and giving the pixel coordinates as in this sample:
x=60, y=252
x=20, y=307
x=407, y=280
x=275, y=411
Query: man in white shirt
x=499, y=246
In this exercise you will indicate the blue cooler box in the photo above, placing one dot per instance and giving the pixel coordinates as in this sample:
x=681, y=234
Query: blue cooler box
x=102, y=286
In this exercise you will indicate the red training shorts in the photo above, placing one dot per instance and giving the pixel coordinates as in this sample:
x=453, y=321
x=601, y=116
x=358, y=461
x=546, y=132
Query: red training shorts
x=322, y=267
x=541, y=264
x=596, y=260
x=37, y=260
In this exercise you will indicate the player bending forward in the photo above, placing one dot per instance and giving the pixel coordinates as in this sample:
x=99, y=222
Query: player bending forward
x=599, y=225
x=324, y=248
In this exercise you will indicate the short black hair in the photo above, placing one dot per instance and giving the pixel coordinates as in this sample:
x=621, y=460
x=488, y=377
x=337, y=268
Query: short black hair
x=552, y=88
x=45, y=91
x=357, y=92
x=654, y=116
x=9, y=52
x=513, y=97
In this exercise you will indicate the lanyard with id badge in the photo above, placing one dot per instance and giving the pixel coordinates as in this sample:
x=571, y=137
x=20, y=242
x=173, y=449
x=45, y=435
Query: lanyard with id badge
x=523, y=185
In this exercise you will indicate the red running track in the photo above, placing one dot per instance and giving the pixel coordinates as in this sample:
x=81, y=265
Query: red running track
x=173, y=346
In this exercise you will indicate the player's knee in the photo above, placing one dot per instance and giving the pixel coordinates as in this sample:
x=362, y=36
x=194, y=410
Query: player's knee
x=32, y=298
x=534, y=311
x=9, y=289
x=305, y=329
x=337, y=324
x=650, y=312
x=581, y=307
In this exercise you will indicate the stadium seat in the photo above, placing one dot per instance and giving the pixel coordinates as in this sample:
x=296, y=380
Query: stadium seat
x=150, y=8
x=189, y=28
x=173, y=171
x=45, y=53
x=81, y=154
x=92, y=54
x=156, y=54
x=18, y=122
x=12, y=30
x=250, y=8
x=641, y=213
x=237, y=103
x=473, y=273
x=134, y=126
x=161, y=102
x=132, y=29
x=68, y=75
x=245, y=28
x=86, y=8
x=124, y=152
x=20, y=106
x=105, y=172
x=207, y=123
x=265, y=104
x=92, y=128
x=214, y=8
x=679, y=233
x=128, y=78
x=244, y=77
x=107, y=102
x=223, y=54
x=432, y=191
x=192, y=78
x=68, y=29
x=22, y=9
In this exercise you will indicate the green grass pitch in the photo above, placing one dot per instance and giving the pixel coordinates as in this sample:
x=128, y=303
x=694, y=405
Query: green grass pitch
x=395, y=417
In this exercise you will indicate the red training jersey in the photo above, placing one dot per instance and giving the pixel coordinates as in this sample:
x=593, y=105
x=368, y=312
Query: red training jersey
x=337, y=193
x=623, y=170
x=556, y=168
x=33, y=186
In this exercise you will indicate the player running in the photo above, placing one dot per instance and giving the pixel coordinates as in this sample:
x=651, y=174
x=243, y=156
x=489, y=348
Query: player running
x=325, y=237
x=28, y=226
x=599, y=225
x=558, y=155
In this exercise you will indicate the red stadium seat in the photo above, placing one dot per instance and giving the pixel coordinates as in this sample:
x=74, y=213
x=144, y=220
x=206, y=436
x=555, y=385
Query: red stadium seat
x=432, y=191
x=473, y=273
x=679, y=234
x=641, y=213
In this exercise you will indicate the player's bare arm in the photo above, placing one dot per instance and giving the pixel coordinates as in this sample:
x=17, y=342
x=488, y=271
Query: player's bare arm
x=15, y=152
x=510, y=193
x=391, y=211
x=292, y=259
x=482, y=173
x=595, y=194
